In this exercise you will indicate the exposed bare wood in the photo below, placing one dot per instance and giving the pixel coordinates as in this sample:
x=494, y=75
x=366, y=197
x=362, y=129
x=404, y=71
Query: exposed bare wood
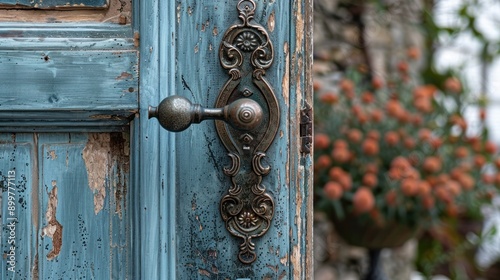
x=119, y=11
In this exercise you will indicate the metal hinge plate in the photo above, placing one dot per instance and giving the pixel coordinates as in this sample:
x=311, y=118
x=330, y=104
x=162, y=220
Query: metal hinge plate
x=306, y=129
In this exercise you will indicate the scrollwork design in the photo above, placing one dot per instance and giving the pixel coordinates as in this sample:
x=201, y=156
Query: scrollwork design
x=246, y=52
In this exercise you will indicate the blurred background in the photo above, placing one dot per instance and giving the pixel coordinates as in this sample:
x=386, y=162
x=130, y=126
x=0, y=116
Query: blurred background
x=450, y=48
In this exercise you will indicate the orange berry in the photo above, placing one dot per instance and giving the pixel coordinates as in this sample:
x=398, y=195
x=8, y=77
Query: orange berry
x=323, y=162
x=335, y=173
x=363, y=118
x=461, y=152
x=409, y=143
x=377, y=83
x=370, y=147
x=340, y=144
x=436, y=142
x=453, y=84
x=403, y=66
x=363, y=200
x=443, y=178
x=455, y=173
x=423, y=105
x=482, y=114
x=424, y=188
x=377, y=115
x=371, y=168
x=413, y=53
x=443, y=194
x=400, y=163
x=490, y=147
x=321, y=141
x=428, y=202
x=409, y=187
x=393, y=108
x=333, y=190
x=432, y=164
x=345, y=181
x=391, y=198
x=370, y=180
x=367, y=97
x=454, y=187
x=424, y=134
x=488, y=178
x=424, y=91
x=497, y=179
x=341, y=155
x=329, y=98
x=466, y=181
x=479, y=160
x=391, y=138
x=404, y=117
x=317, y=85
x=417, y=120
x=497, y=163
x=354, y=135
x=373, y=134
x=346, y=85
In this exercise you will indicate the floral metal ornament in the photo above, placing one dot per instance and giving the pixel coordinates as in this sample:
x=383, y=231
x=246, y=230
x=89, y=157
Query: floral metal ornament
x=246, y=52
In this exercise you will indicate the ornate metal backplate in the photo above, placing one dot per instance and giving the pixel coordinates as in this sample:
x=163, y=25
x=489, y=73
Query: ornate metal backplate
x=247, y=52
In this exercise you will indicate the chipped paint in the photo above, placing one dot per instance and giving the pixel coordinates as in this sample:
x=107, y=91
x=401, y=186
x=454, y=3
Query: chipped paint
x=204, y=272
x=119, y=169
x=124, y=76
x=53, y=229
x=106, y=158
x=96, y=158
x=284, y=260
x=271, y=22
x=51, y=154
x=137, y=39
x=215, y=31
x=285, y=85
x=178, y=14
x=68, y=13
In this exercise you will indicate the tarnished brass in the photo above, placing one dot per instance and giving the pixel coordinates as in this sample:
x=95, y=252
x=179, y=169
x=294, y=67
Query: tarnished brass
x=176, y=113
x=246, y=52
x=247, y=117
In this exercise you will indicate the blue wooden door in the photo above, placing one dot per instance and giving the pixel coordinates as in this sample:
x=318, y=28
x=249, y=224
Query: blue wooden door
x=93, y=189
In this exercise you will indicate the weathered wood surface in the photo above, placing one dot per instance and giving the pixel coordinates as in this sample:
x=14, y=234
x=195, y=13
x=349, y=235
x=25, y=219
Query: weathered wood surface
x=50, y=4
x=115, y=11
x=71, y=205
x=56, y=73
x=201, y=246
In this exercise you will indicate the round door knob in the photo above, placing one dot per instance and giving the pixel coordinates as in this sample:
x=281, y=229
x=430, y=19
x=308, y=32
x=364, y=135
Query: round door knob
x=176, y=113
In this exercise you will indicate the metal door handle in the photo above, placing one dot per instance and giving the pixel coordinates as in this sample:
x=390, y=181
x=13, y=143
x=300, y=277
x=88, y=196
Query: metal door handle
x=176, y=113
x=251, y=113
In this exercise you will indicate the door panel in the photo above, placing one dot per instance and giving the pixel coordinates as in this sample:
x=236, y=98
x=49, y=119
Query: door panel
x=206, y=249
x=71, y=193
